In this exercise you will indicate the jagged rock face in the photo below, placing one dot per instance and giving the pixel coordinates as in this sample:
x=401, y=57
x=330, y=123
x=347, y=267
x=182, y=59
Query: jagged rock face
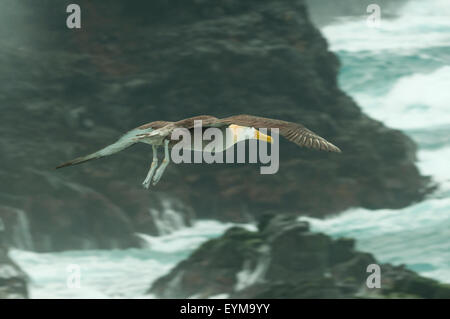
x=70, y=92
x=285, y=260
x=13, y=281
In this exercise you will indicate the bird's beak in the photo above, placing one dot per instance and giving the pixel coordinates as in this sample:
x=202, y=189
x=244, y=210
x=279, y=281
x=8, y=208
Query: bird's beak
x=263, y=137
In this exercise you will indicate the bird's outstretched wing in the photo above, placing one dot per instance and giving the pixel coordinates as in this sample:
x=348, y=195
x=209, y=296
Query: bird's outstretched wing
x=122, y=143
x=206, y=121
x=293, y=132
x=166, y=128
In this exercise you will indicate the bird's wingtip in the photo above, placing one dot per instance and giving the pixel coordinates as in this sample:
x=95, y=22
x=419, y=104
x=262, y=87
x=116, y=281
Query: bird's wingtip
x=337, y=149
x=330, y=147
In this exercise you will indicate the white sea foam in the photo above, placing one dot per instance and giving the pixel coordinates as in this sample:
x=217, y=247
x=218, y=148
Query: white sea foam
x=168, y=219
x=435, y=163
x=422, y=24
x=114, y=273
x=188, y=238
x=251, y=275
x=416, y=101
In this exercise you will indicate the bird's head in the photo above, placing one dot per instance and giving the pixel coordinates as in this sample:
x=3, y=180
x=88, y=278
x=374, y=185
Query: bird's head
x=242, y=133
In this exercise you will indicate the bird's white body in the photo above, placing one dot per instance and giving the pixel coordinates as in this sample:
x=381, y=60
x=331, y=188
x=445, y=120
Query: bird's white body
x=218, y=139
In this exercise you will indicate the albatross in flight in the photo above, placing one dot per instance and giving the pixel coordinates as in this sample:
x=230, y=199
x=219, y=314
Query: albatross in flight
x=242, y=127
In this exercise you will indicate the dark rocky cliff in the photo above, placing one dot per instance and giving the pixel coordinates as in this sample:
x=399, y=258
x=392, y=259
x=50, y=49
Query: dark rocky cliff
x=67, y=93
x=285, y=260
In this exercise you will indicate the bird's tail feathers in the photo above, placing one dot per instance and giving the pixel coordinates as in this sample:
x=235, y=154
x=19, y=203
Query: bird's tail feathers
x=124, y=142
x=79, y=160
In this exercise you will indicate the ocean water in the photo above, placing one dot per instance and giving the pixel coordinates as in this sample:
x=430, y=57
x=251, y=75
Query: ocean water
x=125, y=273
x=398, y=73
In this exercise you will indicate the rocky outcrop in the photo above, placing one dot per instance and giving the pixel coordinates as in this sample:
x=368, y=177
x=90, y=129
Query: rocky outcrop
x=13, y=281
x=70, y=92
x=285, y=260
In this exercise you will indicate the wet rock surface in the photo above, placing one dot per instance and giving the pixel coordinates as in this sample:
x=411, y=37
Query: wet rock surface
x=13, y=281
x=285, y=260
